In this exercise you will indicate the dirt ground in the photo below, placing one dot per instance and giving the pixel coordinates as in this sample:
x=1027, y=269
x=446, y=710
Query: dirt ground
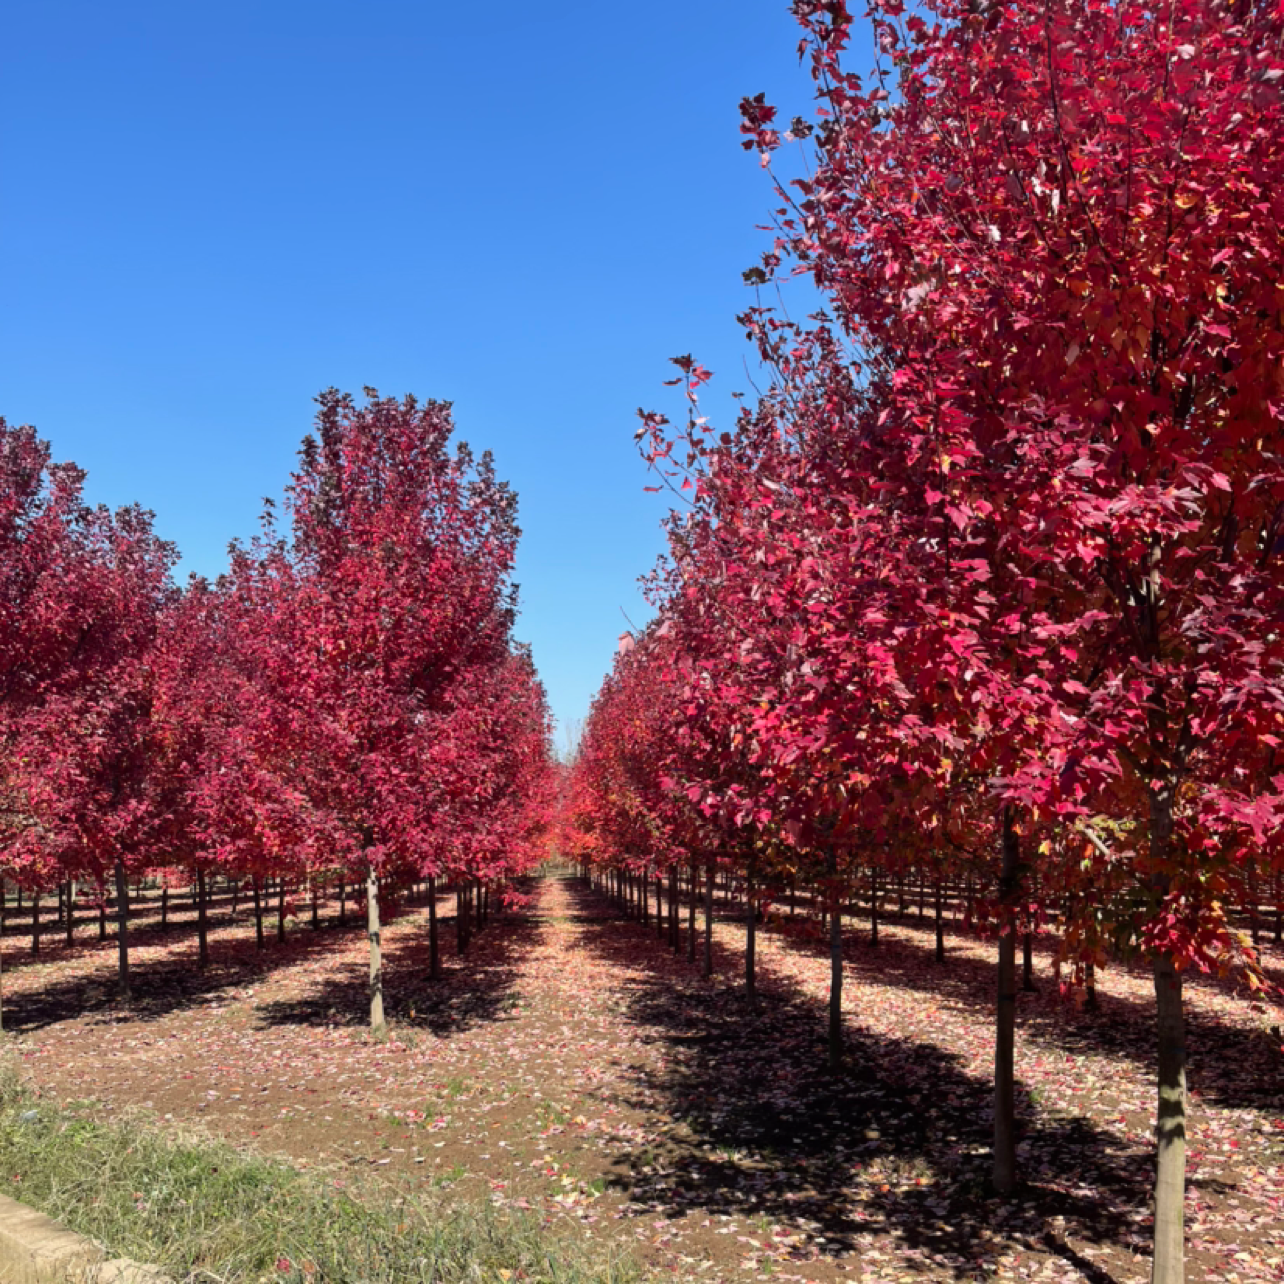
x=570, y=1063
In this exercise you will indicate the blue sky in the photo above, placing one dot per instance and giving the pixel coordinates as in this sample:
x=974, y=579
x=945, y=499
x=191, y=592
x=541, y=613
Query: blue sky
x=212, y=212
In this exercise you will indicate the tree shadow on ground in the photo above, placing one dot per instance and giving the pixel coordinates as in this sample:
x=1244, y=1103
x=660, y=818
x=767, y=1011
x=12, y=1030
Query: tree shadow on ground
x=897, y=1143
x=159, y=986
x=474, y=989
x=1230, y=1065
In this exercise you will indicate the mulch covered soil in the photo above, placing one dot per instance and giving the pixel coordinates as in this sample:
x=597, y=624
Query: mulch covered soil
x=571, y=1064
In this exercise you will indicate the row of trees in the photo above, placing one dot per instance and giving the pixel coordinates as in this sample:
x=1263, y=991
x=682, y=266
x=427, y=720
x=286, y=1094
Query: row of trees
x=346, y=701
x=989, y=579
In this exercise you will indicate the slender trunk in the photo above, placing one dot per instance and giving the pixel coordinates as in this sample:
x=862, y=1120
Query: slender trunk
x=434, y=948
x=316, y=906
x=35, y=922
x=659, y=905
x=280, y=909
x=1090, y=985
x=1027, y=963
x=164, y=907
x=709, y=874
x=202, y=926
x=922, y=894
x=102, y=912
x=377, y=1023
x=940, y=921
x=461, y=918
x=122, y=927
x=1254, y=925
x=1168, y=1262
x=1279, y=909
x=343, y=901
x=751, y=927
x=1004, y=1174
x=236, y=895
x=873, y=908
x=793, y=894
x=675, y=941
x=691, y=912
x=901, y=905
x=258, y=913
x=71, y=912
x=835, y=964
x=1170, y=1179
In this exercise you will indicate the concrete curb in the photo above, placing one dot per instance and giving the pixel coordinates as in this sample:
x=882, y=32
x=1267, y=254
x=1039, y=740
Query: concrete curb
x=34, y=1249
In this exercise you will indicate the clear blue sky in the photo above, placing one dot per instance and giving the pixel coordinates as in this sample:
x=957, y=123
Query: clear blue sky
x=211, y=212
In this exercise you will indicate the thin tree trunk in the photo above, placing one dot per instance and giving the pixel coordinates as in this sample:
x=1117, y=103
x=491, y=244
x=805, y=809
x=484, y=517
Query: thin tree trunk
x=164, y=907
x=940, y=920
x=258, y=913
x=1254, y=925
x=316, y=906
x=1090, y=986
x=1279, y=909
x=434, y=948
x=377, y=1023
x=35, y=922
x=709, y=875
x=102, y=912
x=691, y=912
x=202, y=926
x=659, y=905
x=1027, y=963
x=343, y=901
x=873, y=907
x=1004, y=1173
x=835, y=963
x=280, y=909
x=675, y=941
x=71, y=912
x=1168, y=1262
x=461, y=918
x=751, y=927
x=122, y=927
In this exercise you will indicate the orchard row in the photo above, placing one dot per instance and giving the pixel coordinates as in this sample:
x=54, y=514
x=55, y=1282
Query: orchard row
x=988, y=584
x=346, y=703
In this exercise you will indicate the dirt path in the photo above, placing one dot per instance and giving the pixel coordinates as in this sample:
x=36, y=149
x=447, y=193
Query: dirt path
x=570, y=1063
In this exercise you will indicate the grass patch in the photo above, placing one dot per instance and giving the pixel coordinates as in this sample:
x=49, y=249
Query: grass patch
x=202, y=1210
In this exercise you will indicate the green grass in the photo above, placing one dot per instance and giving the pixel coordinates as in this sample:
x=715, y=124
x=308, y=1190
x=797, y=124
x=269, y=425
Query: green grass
x=202, y=1210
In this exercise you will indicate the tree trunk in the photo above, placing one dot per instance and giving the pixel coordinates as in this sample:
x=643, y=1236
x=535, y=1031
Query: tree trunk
x=1170, y=1179
x=940, y=921
x=122, y=927
x=1004, y=1173
x=835, y=963
x=316, y=906
x=659, y=905
x=102, y=912
x=343, y=902
x=280, y=909
x=1168, y=1263
x=709, y=874
x=35, y=922
x=164, y=907
x=378, y=1025
x=434, y=950
x=751, y=927
x=202, y=926
x=461, y=918
x=873, y=908
x=691, y=912
x=258, y=913
x=675, y=940
x=1279, y=909
x=1090, y=986
x=71, y=912
x=1027, y=963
